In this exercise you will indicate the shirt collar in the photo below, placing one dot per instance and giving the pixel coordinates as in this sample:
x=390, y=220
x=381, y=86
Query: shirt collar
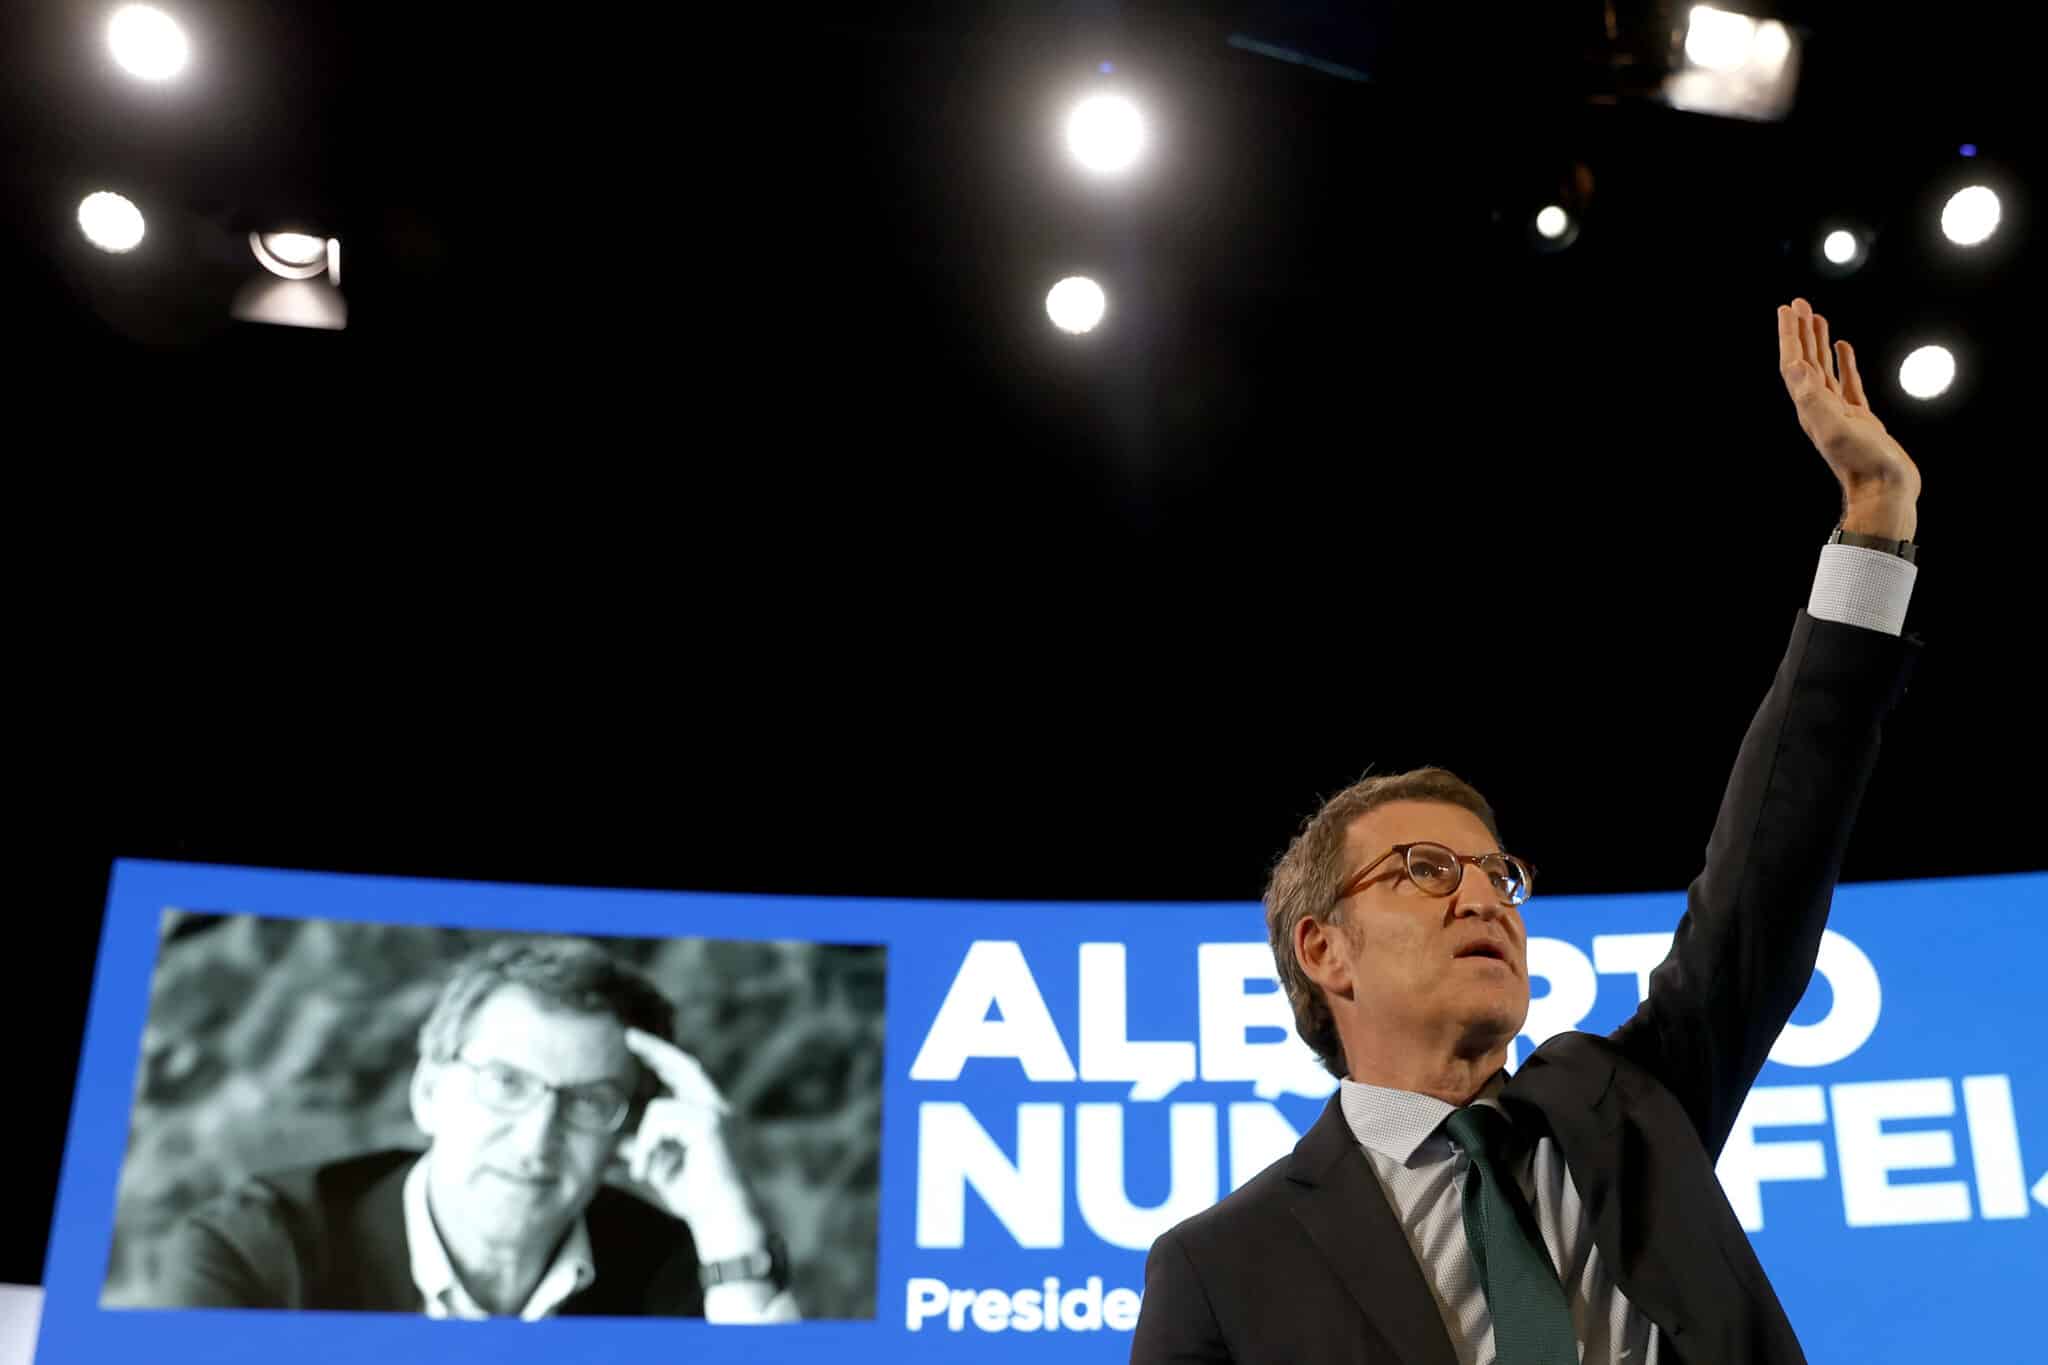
x=1400, y=1124
x=433, y=1274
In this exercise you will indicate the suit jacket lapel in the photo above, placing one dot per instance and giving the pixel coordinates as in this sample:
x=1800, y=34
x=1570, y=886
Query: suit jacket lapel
x=1572, y=1089
x=372, y=1265
x=1339, y=1201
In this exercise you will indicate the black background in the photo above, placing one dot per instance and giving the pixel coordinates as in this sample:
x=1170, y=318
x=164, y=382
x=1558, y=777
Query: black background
x=698, y=497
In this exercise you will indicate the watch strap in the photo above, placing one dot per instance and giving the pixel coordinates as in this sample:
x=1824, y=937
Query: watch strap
x=769, y=1262
x=1904, y=549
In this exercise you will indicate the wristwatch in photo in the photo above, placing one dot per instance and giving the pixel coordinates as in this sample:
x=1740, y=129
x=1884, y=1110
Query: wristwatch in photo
x=1904, y=549
x=770, y=1263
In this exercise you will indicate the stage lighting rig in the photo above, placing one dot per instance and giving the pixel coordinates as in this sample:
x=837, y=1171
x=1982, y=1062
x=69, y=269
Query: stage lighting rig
x=1735, y=65
x=1733, y=60
x=303, y=284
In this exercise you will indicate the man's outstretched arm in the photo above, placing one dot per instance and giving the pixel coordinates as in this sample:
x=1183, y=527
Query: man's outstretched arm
x=1744, y=951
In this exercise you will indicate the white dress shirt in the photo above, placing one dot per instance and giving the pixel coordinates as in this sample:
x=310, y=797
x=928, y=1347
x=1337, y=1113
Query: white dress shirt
x=434, y=1274
x=1423, y=1172
x=573, y=1270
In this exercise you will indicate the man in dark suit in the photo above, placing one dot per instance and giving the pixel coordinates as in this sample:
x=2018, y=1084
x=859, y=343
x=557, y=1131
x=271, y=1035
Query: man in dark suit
x=543, y=1067
x=1441, y=1213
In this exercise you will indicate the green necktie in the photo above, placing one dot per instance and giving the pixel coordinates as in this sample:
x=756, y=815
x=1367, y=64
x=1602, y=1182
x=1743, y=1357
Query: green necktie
x=1532, y=1324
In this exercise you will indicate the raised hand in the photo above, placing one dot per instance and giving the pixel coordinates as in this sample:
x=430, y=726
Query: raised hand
x=679, y=1153
x=1880, y=482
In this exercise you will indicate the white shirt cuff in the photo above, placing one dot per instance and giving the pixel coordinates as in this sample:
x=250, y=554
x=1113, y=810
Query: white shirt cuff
x=719, y=1306
x=1862, y=587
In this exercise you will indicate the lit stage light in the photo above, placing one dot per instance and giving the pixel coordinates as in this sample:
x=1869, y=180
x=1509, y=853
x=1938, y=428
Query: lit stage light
x=110, y=222
x=1106, y=134
x=291, y=303
x=290, y=255
x=1841, y=248
x=1552, y=228
x=1076, y=304
x=1735, y=66
x=147, y=43
x=1927, y=372
x=1970, y=215
x=298, y=297
x=1716, y=39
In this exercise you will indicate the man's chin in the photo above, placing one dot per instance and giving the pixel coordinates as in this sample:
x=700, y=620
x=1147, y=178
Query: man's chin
x=502, y=1198
x=1492, y=1031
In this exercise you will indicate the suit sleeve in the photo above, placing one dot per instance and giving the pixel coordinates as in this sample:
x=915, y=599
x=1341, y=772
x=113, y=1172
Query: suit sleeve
x=1176, y=1325
x=1744, y=951
x=235, y=1253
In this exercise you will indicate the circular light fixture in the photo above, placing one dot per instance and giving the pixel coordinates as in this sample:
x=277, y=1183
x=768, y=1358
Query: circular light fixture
x=1106, y=134
x=1927, y=372
x=292, y=255
x=110, y=222
x=1076, y=304
x=147, y=43
x=1971, y=215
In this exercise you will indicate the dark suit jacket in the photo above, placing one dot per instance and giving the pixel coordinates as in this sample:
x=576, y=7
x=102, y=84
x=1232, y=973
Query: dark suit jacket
x=334, y=1237
x=1306, y=1262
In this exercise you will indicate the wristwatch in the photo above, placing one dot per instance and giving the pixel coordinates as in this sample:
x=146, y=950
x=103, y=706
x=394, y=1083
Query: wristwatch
x=1904, y=549
x=770, y=1263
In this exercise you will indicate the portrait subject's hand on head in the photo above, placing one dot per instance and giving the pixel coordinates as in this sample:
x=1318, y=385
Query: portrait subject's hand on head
x=1880, y=483
x=679, y=1154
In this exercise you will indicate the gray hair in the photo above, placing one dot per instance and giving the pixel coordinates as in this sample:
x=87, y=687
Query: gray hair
x=1305, y=881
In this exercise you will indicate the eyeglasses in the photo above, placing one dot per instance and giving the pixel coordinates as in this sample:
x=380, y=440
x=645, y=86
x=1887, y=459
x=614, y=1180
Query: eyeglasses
x=1438, y=871
x=596, y=1108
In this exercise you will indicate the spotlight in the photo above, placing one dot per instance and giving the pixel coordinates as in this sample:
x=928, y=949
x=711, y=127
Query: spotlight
x=1735, y=66
x=147, y=43
x=1841, y=248
x=110, y=222
x=291, y=255
x=1970, y=216
x=1076, y=304
x=298, y=297
x=1927, y=372
x=1553, y=228
x=1106, y=134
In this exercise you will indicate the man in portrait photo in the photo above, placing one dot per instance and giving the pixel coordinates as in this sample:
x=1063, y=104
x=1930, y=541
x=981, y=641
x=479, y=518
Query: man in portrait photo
x=545, y=1067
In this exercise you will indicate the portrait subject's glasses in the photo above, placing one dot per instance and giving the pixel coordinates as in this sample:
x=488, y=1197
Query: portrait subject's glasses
x=1437, y=871
x=596, y=1108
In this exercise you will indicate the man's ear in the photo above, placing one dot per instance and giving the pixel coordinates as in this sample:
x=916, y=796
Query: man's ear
x=426, y=1079
x=1321, y=949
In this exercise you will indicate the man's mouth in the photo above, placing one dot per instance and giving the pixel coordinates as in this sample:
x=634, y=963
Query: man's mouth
x=1484, y=950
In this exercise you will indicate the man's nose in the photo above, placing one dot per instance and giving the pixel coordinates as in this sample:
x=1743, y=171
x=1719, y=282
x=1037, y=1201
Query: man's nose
x=1477, y=895
x=538, y=1129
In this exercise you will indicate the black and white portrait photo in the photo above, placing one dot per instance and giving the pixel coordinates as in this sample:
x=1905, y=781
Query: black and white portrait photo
x=369, y=1117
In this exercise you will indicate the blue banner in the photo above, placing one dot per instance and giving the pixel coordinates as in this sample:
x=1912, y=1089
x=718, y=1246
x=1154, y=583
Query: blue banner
x=1060, y=1083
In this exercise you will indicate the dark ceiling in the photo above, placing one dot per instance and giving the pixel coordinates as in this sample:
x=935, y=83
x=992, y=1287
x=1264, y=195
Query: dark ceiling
x=699, y=498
